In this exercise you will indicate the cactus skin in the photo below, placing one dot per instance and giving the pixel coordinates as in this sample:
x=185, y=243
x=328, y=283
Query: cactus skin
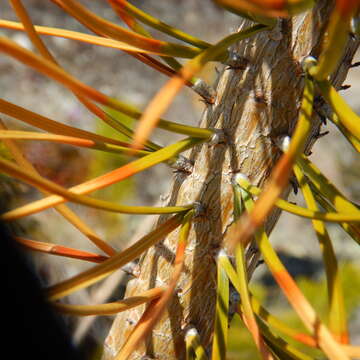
x=253, y=107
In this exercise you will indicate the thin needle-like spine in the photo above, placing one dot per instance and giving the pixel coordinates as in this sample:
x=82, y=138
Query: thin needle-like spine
x=192, y=340
x=337, y=313
x=296, y=298
x=221, y=313
x=107, y=267
x=60, y=250
x=62, y=209
x=329, y=216
x=109, y=308
x=100, y=182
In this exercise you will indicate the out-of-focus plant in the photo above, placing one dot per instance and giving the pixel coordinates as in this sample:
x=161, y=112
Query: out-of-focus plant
x=254, y=139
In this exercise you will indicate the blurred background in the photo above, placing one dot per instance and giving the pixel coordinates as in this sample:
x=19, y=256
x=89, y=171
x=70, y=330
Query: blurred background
x=117, y=74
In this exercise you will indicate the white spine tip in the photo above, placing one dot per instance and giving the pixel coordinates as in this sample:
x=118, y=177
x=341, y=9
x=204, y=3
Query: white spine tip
x=199, y=208
x=308, y=62
x=218, y=137
x=283, y=142
x=192, y=332
x=238, y=177
x=221, y=254
x=355, y=25
x=198, y=82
